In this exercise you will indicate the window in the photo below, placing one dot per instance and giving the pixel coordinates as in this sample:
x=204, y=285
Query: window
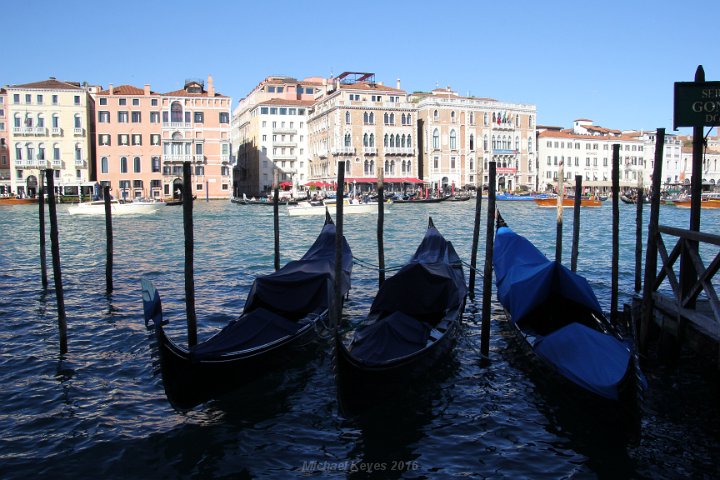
x=436, y=140
x=154, y=117
x=77, y=100
x=123, y=165
x=104, y=139
x=436, y=162
x=137, y=139
x=16, y=97
x=200, y=170
x=136, y=117
x=56, y=152
x=122, y=101
x=78, y=121
x=453, y=139
x=136, y=101
x=154, y=102
x=39, y=99
x=155, y=139
x=224, y=117
x=104, y=165
x=54, y=99
x=347, y=118
x=123, y=139
x=28, y=98
x=136, y=165
x=198, y=149
x=156, y=164
x=176, y=115
x=122, y=117
x=199, y=117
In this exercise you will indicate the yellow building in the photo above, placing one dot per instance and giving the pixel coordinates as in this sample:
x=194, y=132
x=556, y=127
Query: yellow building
x=49, y=127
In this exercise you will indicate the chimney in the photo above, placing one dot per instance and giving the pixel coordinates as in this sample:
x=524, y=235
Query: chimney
x=147, y=89
x=111, y=89
x=398, y=84
x=210, y=87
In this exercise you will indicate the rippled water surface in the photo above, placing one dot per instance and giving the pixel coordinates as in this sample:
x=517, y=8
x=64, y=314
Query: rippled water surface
x=100, y=412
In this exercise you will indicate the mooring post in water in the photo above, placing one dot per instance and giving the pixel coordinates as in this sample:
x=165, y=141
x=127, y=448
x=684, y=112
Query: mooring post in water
x=189, y=263
x=559, y=223
x=276, y=220
x=576, y=223
x=381, y=225
x=488, y=271
x=638, y=233
x=41, y=220
x=651, y=251
x=615, y=232
x=339, y=194
x=476, y=230
x=55, y=248
x=108, y=240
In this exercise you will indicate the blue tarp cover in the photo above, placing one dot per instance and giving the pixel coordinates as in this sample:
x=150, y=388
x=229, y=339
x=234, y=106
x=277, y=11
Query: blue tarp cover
x=410, y=302
x=592, y=359
x=525, y=278
x=278, y=300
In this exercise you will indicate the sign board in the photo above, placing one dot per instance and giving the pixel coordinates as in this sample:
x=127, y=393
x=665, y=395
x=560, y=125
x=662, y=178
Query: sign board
x=697, y=104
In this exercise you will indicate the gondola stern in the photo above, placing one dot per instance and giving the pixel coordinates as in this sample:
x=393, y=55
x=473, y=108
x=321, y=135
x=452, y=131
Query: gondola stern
x=152, y=305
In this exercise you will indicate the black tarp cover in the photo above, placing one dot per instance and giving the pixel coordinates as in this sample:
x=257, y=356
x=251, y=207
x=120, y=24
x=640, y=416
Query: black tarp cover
x=422, y=291
x=277, y=301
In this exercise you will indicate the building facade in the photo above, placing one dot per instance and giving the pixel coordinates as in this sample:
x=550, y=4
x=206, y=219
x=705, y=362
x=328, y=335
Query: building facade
x=368, y=126
x=586, y=150
x=5, y=186
x=50, y=127
x=270, y=135
x=461, y=135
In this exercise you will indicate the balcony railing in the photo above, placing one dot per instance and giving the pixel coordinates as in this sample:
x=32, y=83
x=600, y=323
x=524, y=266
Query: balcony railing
x=79, y=132
x=57, y=163
x=177, y=125
x=285, y=156
x=370, y=150
x=399, y=151
x=24, y=130
x=56, y=131
x=291, y=131
x=80, y=162
x=183, y=158
x=343, y=151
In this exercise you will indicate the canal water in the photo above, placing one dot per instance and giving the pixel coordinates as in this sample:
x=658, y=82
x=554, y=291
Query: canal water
x=100, y=410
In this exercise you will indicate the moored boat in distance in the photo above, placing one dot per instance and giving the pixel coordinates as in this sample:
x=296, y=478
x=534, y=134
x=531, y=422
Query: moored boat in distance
x=707, y=200
x=551, y=202
x=13, y=200
x=285, y=314
x=117, y=207
x=413, y=321
x=559, y=317
x=319, y=208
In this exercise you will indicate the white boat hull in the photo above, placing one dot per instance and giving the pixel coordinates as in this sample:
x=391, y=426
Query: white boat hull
x=98, y=208
x=348, y=208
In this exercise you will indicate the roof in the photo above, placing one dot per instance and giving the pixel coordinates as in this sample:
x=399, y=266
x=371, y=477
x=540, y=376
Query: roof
x=126, y=90
x=184, y=93
x=281, y=101
x=569, y=134
x=371, y=87
x=50, y=84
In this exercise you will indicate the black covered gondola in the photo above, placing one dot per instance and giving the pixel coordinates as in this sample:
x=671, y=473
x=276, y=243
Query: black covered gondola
x=284, y=315
x=413, y=321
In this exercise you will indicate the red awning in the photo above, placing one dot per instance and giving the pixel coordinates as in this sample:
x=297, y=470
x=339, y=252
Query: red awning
x=387, y=180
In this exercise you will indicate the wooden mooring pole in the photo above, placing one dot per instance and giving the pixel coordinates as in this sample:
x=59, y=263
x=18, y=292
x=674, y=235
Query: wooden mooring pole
x=576, y=223
x=651, y=250
x=638, y=233
x=615, y=232
x=339, y=195
x=476, y=231
x=276, y=220
x=381, y=225
x=488, y=271
x=189, y=262
x=41, y=220
x=108, y=240
x=55, y=249
x=559, y=223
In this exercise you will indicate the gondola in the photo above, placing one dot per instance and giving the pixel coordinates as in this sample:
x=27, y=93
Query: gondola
x=173, y=203
x=263, y=202
x=558, y=316
x=284, y=314
x=420, y=200
x=413, y=321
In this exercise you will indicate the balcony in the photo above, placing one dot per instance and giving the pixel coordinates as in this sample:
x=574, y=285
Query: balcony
x=57, y=164
x=285, y=144
x=80, y=163
x=284, y=156
x=79, y=132
x=370, y=150
x=399, y=151
x=504, y=151
x=182, y=158
x=343, y=151
x=281, y=130
x=56, y=131
x=177, y=125
x=23, y=130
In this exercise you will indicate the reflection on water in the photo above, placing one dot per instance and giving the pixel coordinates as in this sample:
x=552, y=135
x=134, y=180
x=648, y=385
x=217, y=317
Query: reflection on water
x=100, y=411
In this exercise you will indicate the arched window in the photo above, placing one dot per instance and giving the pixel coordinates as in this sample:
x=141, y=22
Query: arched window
x=104, y=165
x=366, y=168
x=385, y=141
x=517, y=143
x=372, y=118
x=41, y=151
x=472, y=142
x=17, y=121
x=365, y=140
x=78, y=122
x=493, y=141
x=485, y=142
x=176, y=114
x=409, y=120
x=435, y=115
x=41, y=120
x=18, y=151
x=136, y=165
x=493, y=117
x=530, y=144
x=392, y=119
x=387, y=167
x=347, y=118
x=392, y=167
x=472, y=118
x=386, y=118
x=372, y=166
x=453, y=139
x=402, y=141
x=30, y=151
x=485, y=118
x=452, y=116
x=123, y=165
x=409, y=167
x=347, y=139
x=409, y=142
x=436, y=139
x=392, y=140
x=402, y=119
x=397, y=139
x=372, y=139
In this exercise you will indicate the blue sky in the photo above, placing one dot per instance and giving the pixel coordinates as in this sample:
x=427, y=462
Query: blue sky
x=614, y=62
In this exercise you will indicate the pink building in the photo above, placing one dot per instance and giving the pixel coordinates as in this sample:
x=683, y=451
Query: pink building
x=4, y=152
x=144, y=137
x=128, y=147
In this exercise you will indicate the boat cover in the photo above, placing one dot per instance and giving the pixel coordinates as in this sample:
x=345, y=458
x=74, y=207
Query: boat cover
x=412, y=301
x=525, y=278
x=277, y=301
x=592, y=359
